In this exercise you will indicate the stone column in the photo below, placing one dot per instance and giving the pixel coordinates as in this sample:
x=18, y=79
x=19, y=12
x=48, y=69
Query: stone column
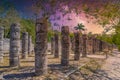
x=72, y=43
x=56, y=55
x=94, y=44
x=14, y=45
x=104, y=46
x=81, y=44
x=29, y=44
x=77, y=46
x=52, y=45
x=24, y=45
x=65, y=42
x=84, y=53
x=41, y=47
x=90, y=47
x=98, y=45
x=1, y=43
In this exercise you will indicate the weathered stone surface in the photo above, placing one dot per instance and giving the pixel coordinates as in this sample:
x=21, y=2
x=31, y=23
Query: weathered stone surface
x=6, y=45
x=100, y=46
x=89, y=45
x=81, y=44
x=84, y=52
x=24, y=45
x=56, y=55
x=1, y=43
x=77, y=46
x=14, y=45
x=29, y=44
x=65, y=42
x=41, y=47
x=94, y=44
x=72, y=43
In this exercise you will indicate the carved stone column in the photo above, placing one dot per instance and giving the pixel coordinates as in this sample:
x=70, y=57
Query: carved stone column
x=77, y=46
x=29, y=44
x=56, y=36
x=84, y=53
x=65, y=42
x=1, y=43
x=41, y=47
x=14, y=45
x=24, y=45
x=52, y=45
x=90, y=47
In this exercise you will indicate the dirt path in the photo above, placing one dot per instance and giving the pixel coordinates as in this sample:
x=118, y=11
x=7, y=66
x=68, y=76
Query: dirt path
x=110, y=70
x=112, y=66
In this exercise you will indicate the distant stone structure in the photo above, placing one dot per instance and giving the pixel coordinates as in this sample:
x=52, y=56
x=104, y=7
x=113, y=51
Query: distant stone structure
x=56, y=36
x=52, y=45
x=29, y=44
x=89, y=45
x=24, y=45
x=6, y=45
x=84, y=52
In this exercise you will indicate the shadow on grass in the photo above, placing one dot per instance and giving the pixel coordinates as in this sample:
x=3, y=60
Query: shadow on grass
x=20, y=75
x=100, y=75
x=55, y=66
x=4, y=66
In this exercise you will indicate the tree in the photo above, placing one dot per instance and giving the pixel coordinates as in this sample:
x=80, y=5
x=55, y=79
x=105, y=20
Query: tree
x=80, y=27
x=7, y=17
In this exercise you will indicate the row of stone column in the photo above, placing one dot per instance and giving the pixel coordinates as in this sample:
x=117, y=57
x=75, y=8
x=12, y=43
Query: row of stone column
x=96, y=45
x=81, y=44
x=26, y=45
x=15, y=44
x=41, y=46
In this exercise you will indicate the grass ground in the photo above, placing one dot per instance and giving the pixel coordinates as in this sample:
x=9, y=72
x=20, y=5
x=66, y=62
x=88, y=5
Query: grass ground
x=55, y=71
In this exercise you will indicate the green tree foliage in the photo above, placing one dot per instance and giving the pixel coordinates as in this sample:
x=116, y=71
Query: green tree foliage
x=11, y=15
x=28, y=25
x=71, y=35
x=80, y=27
x=107, y=38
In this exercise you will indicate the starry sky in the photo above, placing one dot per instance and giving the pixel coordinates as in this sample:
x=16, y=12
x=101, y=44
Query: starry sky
x=23, y=7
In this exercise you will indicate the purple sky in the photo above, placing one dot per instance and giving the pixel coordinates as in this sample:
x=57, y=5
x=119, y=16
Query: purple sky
x=71, y=20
